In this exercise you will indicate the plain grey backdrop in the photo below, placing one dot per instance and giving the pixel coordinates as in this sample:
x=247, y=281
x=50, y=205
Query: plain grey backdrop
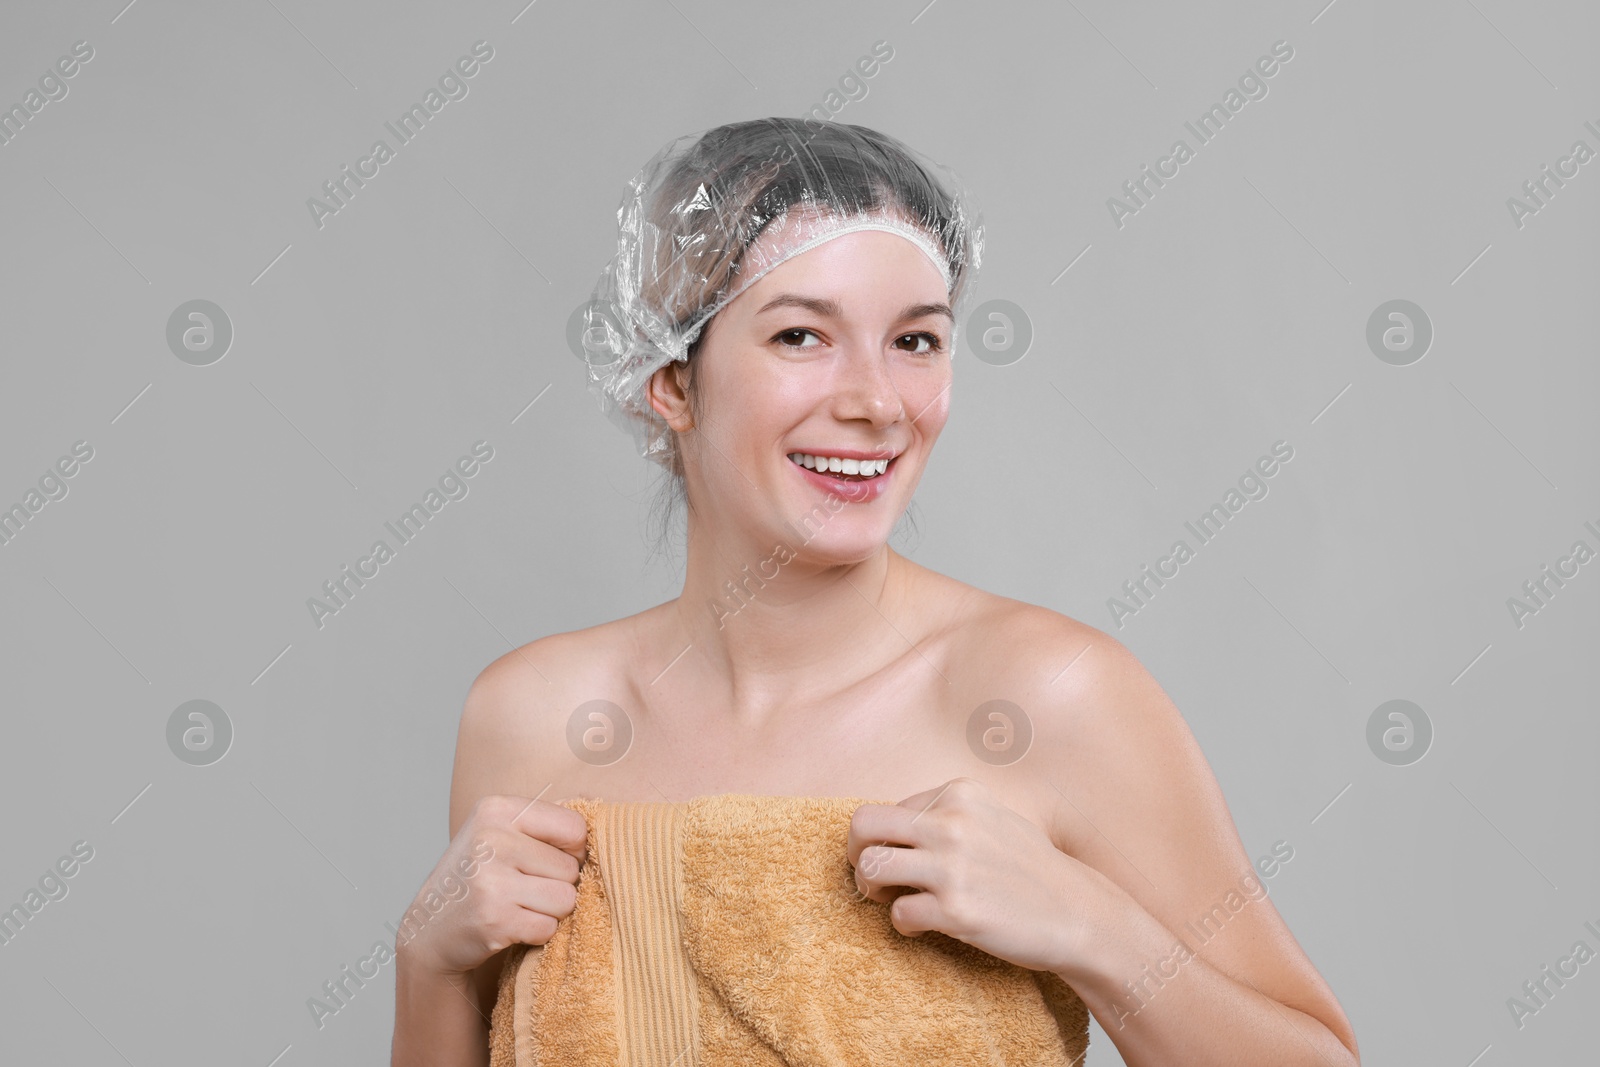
x=1174, y=341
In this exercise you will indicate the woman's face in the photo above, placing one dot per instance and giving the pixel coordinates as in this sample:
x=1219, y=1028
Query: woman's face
x=842, y=351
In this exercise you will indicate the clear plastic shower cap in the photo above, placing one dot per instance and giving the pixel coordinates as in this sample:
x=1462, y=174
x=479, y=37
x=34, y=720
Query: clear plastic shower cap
x=687, y=231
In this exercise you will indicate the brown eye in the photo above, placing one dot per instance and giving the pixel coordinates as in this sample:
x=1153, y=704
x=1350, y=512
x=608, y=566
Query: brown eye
x=934, y=343
x=785, y=337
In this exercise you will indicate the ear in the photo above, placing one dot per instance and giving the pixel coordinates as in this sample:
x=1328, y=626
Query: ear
x=669, y=398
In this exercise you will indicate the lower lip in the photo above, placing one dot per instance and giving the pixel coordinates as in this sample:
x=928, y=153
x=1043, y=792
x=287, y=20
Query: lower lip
x=862, y=492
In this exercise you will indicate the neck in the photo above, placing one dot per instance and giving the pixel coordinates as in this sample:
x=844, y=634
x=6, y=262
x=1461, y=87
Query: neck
x=777, y=627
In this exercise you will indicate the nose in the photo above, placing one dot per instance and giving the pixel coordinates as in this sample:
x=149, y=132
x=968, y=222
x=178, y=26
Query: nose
x=866, y=388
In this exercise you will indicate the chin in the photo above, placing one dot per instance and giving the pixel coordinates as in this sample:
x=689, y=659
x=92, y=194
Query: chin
x=838, y=547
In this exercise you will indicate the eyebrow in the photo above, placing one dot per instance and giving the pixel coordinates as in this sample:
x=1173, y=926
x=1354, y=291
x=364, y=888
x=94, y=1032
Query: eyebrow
x=831, y=308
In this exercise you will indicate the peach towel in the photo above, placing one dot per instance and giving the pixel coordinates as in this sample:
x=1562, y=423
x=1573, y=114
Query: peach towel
x=726, y=931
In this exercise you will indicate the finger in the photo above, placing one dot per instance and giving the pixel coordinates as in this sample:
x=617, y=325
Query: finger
x=556, y=824
x=531, y=856
x=529, y=927
x=881, y=824
x=538, y=906
x=549, y=896
x=928, y=797
x=913, y=914
x=885, y=866
x=898, y=823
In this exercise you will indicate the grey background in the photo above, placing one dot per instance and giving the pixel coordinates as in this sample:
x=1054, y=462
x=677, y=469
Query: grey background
x=370, y=354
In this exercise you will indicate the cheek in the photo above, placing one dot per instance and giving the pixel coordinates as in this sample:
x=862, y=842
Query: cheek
x=739, y=389
x=926, y=394
x=776, y=400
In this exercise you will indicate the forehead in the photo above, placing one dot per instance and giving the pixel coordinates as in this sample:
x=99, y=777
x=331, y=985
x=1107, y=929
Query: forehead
x=867, y=259
x=893, y=280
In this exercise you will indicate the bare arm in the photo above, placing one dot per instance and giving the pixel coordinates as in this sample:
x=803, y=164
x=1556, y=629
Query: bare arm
x=437, y=1019
x=443, y=999
x=1190, y=962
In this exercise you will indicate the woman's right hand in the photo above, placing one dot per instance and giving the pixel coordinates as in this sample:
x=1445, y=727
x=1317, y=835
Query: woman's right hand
x=509, y=873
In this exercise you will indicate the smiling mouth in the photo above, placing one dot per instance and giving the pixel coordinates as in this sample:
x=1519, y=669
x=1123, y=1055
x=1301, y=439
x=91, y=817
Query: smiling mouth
x=844, y=470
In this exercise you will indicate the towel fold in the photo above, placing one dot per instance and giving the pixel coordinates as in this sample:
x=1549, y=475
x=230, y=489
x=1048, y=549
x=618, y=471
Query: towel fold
x=727, y=931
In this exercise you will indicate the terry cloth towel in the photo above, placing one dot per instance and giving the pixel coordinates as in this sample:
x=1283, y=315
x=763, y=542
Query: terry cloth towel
x=727, y=931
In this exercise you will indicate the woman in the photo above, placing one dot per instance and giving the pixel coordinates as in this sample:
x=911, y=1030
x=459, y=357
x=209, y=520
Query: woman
x=786, y=290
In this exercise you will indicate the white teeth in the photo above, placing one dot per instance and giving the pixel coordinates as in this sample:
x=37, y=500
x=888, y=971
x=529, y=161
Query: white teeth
x=870, y=468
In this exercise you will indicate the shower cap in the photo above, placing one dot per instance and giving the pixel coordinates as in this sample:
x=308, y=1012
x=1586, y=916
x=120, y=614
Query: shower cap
x=688, y=226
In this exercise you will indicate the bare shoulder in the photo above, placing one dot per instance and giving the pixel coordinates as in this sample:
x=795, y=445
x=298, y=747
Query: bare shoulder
x=1130, y=794
x=1102, y=727
x=1037, y=650
x=512, y=736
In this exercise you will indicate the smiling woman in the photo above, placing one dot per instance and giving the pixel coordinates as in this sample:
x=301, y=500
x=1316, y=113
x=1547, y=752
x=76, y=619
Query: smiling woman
x=701, y=874
x=712, y=214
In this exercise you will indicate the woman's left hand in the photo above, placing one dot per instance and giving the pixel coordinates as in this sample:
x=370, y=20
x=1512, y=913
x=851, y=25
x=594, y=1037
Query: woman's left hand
x=986, y=875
